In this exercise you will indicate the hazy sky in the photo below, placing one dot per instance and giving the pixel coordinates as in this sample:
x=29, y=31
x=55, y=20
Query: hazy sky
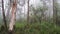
x=36, y=3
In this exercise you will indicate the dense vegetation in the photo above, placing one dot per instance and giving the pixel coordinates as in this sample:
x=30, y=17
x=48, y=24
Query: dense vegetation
x=35, y=28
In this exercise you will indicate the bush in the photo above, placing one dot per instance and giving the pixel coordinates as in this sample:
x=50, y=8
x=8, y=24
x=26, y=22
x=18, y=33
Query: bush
x=36, y=28
x=39, y=28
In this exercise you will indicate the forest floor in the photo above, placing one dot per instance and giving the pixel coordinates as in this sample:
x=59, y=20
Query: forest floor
x=36, y=28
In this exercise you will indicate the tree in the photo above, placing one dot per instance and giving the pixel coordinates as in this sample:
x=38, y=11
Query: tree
x=54, y=11
x=37, y=13
x=13, y=17
x=8, y=11
x=28, y=12
x=4, y=18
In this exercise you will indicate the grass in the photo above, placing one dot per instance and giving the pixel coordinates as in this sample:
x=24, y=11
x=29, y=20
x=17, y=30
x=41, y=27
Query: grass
x=36, y=28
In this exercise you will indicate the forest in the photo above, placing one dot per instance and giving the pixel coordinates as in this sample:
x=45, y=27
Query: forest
x=29, y=16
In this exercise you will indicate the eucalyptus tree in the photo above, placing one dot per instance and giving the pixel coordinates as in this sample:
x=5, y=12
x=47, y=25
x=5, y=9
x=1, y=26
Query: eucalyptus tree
x=3, y=13
x=8, y=10
x=43, y=12
x=13, y=16
x=28, y=12
x=54, y=11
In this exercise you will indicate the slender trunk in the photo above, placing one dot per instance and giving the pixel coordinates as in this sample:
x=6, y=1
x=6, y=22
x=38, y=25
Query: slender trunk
x=24, y=10
x=3, y=12
x=27, y=26
x=28, y=13
x=7, y=16
x=54, y=12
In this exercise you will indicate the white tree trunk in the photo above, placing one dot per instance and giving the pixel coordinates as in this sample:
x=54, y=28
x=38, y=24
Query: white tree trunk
x=13, y=16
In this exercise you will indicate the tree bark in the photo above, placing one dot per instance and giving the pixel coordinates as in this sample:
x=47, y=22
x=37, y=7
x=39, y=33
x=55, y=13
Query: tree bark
x=13, y=17
x=7, y=14
x=54, y=12
x=28, y=12
x=4, y=18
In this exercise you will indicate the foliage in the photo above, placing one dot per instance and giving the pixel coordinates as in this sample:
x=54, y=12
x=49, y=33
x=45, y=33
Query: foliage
x=37, y=28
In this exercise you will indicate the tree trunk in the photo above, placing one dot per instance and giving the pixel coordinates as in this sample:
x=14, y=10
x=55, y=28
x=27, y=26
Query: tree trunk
x=54, y=12
x=3, y=12
x=28, y=13
x=13, y=17
x=7, y=14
